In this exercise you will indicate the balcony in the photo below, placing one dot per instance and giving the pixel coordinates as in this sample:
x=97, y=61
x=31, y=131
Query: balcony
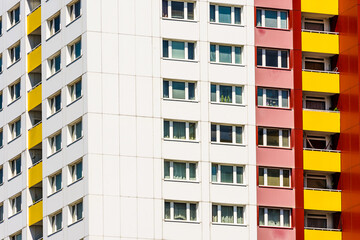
x=35, y=135
x=35, y=174
x=35, y=213
x=320, y=81
x=321, y=121
x=34, y=97
x=320, y=42
x=316, y=234
x=34, y=58
x=322, y=200
x=330, y=7
x=322, y=160
x=34, y=20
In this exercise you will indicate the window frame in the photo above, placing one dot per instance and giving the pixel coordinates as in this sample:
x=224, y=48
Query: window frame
x=73, y=211
x=52, y=142
x=280, y=98
x=186, y=50
x=53, y=182
x=71, y=13
x=13, y=91
x=52, y=100
x=234, y=178
x=13, y=205
x=233, y=137
x=185, y=10
x=279, y=59
x=12, y=53
x=72, y=130
x=73, y=167
x=233, y=94
x=71, y=47
x=12, y=17
x=15, y=167
x=266, y=217
x=51, y=25
x=233, y=54
x=264, y=138
x=187, y=169
x=219, y=215
x=187, y=131
x=187, y=90
x=53, y=228
x=281, y=177
x=72, y=91
x=13, y=129
x=188, y=211
x=16, y=236
x=278, y=18
x=232, y=15
x=52, y=64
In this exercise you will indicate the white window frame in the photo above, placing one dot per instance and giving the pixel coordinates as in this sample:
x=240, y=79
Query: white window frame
x=278, y=18
x=280, y=98
x=13, y=167
x=186, y=51
x=281, y=176
x=187, y=131
x=12, y=129
x=327, y=140
x=171, y=171
x=73, y=218
x=16, y=236
x=12, y=91
x=233, y=134
x=263, y=59
x=72, y=128
x=52, y=222
x=185, y=11
x=12, y=205
x=52, y=103
x=319, y=59
x=218, y=174
x=218, y=97
x=321, y=215
x=316, y=20
x=319, y=98
x=234, y=214
x=233, y=55
x=11, y=15
x=280, y=137
x=186, y=90
x=72, y=171
x=52, y=183
x=52, y=64
x=187, y=211
x=72, y=49
x=320, y=176
x=232, y=14
x=71, y=11
x=72, y=91
x=52, y=143
x=266, y=217
x=12, y=53
x=51, y=25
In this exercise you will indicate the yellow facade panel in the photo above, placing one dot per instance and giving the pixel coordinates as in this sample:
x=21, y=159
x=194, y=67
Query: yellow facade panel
x=35, y=135
x=320, y=82
x=322, y=161
x=330, y=7
x=322, y=200
x=34, y=20
x=34, y=97
x=34, y=59
x=319, y=235
x=35, y=174
x=321, y=121
x=320, y=42
x=35, y=213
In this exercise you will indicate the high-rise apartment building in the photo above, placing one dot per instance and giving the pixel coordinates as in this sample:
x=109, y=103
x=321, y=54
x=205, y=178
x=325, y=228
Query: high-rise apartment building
x=186, y=119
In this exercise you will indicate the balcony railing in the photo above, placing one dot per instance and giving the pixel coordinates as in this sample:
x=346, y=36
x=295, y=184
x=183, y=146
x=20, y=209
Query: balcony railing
x=322, y=71
x=323, y=229
x=322, y=150
x=323, y=189
x=323, y=32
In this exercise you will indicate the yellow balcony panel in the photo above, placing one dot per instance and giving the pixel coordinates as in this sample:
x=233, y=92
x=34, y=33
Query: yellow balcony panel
x=322, y=200
x=321, y=121
x=34, y=20
x=310, y=234
x=35, y=213
x=35, y=136
x=320, y=42
x=34, y=97
x=34, y=58
x=320, y=82
x=35, y=174
x=320, y=6
x=322, y=161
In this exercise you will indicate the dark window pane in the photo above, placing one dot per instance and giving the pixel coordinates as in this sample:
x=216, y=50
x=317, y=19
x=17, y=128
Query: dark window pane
x=214, y=170
x=166, y=170
x=284, y=59
x=260, y=96
x=213, y=133
x=190, y=11
x=261, y=176
x=271, y=58
x=177, y=10
x=212, y=13
x=258, y=17
x=178, y=90
x=314, y=26
x=213, y=53
x=165, y=8
x=226, y=134
x=226, y=94
x=191, y=51
x=260, y=136
x=259, y=57
x=166, y=89
x=179, y=130
x=166, y=129
x=225, y=54
x=213, y=93
x=165, y=48
x=224, y=14
x=270, y=19
x=237, y=15
x=272, y=137
x=227, y=174
x=273, y=177
x=191, y=88
x=272, y=98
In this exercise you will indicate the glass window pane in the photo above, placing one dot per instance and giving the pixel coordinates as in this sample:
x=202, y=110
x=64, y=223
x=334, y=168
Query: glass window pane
x=285, y=138
x=179, y=130
x=177, y=10
x=166, y=89
x=191, y=51
x=259, y=57
x=272, y=137
x=192, y=131
x=214, y=170
x=212, y=53
x=58, y=182
x=239, y=175
x=213, y=93
x=286, y=178
x=238, y=95
x=226, y=174
x=260, y=136
x=165, y=48
x=180, y=211
x=261, y=217
x=165, y=8
x=226, y=134
x=239, y=137
x=238, y=55
x=79, y=210
x=166, y=169
x=227, y=214
x=192, y=212
x=272, y=98
x=212, y=13
x=274, y=217
x=237, y=15
x=179, y=170
x=166, y=129
x=271, y=58
x=283, y=20
x=79, y=169
x=191, y=87
x=260, y=97
x=224, y=14
x=273, y=177
x=17, y=90
x=190, y=10
x=78, y=89
x=226, y=94
x=285, y=99
x=178, y=90
x=240, y=215
x=57, y=63
x=78, y=130
x=213, y=133
x=286, y=218
x=284, y=59
x=225, y=54
x=258, y=17
x=167, y=210
x=192, y=171
x=77, y=49
x=270, y=19
x=178, y=50
x=261, y=176
x=214, y=213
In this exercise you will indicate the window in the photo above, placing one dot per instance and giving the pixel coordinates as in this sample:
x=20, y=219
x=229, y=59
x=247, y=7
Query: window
x=178, y=50
x=55, y=104
x=14, y=91
x=179, y=90
x=74, y=10
x=226, y=94
x=15, y=129
x=226, y=134
x=317, y=142
x=55, y=143
x=14, y=53
x=271, y=18
x=1, y=63
x=17, y=236
x=318, y=181
x=15, y=205
x=1, y=101
x=185, y=171
x=178, y=10
x=75, y=91
x=314, y=24
x=54, y=64
x=180, y=211
x=273, y=97
x=317, y=64
x=274, y=217
x=228, y=214
x=317, y=103
x=179, y=130
x=316, y=221
x=55, y=222
x=75, y=50
x=272, y=58
x=76, y=212
x=1, y=212
x=1, y=175
x=55, y=182
x=227, y=174
x=15, y=167
x=54, y=25
x=14, y=16
x=76, y=171
x=274, y=177
x=274, y=137
x=225, y=14
x=1, y=26
x=225, y=54
x=1, y=138
x=75, y=131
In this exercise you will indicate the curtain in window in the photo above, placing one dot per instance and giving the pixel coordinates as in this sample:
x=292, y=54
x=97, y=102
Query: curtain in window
x=192, y=131
x=225, y=54
x=226, y=94
x=239, y=174
x=258, y=17
x=179, y=130
x=226, y=134
x=316, y=183
x=180, y=211
x=177, y=10
x=285, y=138
x=227, y=214
x=285, y=100
x=215, y=213
x=261, y=176
x=178, y=50
x=178, y=90
x=286, y=178
x=272, y=137
x=238, y=55
x=238, y=95
x=227, y=174
x=286, y=218
x=192, y=212
x=224, y=14
x=190, y=11
x=273, y=177
x=261, y=217
x=214, y=170
x=274, y=217
x=270, y=19
x=239, y=138
x=166, y=170
x=240, y=215
x=179, y=170
x=271, y=58
x=283, y=20
x=166, y=129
